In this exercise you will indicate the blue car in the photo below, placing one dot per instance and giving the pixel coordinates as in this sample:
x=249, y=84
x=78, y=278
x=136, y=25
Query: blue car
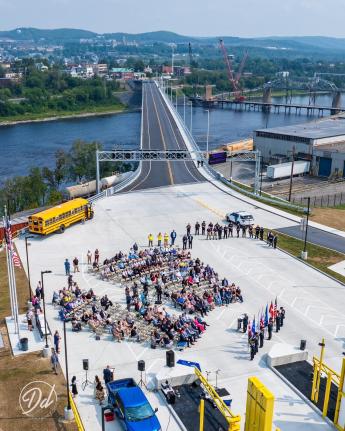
x=131, y=406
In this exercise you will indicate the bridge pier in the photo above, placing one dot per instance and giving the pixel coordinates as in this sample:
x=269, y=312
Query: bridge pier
x=336, y=103
x=267, y=100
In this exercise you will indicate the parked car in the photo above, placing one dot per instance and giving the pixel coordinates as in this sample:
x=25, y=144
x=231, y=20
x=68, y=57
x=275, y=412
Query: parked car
x=131, y=406
x=241, y=217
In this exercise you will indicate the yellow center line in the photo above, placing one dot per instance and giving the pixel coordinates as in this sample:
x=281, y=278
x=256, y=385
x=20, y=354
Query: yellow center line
x=205, y=205
x=165, y=147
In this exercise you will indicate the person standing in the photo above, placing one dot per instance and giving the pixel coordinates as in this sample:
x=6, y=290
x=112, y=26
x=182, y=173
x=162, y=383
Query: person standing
x=100, y=393
x=275, y=240
x=220, y=231
x=67, y=267
x=262, y=233
x=245, y=323
x=190, y=241
x=76, y=264
x=38, y=290
x=74, y=387
x=225, y=230
x=238, y=228
x=89, y=257
x=252, y=348
x=231, y=229
x=277, y=321
x=188, y=228
x=54, y=359
x=29, y=316
x=257, y=232
x=184, y=242
x=261, y=336
x=166, y=239
x=57, y=339
x=173, y=236
x=197, y=228
x=282, y=316
x=150, y=238
x=270, y=328
x=203, y=228
x=250, y=229
x=159, y=239
x=97, y=255
x=108, y=375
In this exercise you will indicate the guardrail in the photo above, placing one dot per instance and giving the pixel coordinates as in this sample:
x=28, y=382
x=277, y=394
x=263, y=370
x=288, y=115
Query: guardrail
x=216, y=175
x=76, y=414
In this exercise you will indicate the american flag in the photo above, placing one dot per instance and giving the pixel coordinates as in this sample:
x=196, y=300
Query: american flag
x=9, y=242
x=275, y=308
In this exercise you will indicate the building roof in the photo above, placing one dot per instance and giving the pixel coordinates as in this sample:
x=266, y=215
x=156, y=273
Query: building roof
x=313, y=130
x=121, y=70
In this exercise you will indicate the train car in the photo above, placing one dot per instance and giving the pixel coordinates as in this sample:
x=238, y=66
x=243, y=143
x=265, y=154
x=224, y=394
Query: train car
x=81, y=190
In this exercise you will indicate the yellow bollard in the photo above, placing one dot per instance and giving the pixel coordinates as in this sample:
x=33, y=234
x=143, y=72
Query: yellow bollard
x=202, y=414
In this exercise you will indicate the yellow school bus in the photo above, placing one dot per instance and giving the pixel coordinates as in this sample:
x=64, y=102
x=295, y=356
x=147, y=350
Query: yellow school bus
x=61, y=216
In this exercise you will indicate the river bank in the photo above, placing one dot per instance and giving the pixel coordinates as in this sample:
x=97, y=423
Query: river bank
x=45, y=117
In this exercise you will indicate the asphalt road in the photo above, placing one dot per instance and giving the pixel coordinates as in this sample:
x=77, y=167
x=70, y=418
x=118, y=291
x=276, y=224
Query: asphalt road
x=317, y=236
x=160, y=132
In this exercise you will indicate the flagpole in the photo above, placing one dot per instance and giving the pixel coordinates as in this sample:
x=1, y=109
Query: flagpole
x=16, y=317
x=9, y=274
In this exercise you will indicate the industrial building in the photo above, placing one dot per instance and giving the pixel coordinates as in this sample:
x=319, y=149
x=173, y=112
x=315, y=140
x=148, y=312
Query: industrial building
x=322, y=142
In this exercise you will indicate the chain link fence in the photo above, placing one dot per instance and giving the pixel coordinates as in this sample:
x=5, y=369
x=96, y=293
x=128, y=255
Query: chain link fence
x=323, y=201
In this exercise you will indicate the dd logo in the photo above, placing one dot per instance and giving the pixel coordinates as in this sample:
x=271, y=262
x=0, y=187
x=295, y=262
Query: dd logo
x=38, y=399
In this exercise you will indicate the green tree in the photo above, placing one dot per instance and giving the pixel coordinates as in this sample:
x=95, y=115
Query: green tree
x=82, y=160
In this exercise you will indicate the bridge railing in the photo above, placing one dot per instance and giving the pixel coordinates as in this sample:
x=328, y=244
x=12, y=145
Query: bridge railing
x=192, y=145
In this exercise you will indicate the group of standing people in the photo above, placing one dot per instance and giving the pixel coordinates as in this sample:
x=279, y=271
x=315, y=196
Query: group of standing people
x=256, y=336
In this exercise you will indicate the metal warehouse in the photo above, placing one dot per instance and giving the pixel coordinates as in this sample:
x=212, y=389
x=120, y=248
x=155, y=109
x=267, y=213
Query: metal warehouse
x=321, y=141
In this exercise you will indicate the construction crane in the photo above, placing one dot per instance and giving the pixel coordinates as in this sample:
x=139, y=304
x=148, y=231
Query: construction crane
x=234, y=79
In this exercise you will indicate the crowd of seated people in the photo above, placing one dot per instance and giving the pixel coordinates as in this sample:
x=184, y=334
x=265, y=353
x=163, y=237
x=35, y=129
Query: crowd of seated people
x=153, y=278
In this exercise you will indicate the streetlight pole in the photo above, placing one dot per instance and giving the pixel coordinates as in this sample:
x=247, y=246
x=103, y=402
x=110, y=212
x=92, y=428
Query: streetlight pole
x=306, y=227
x=191, y=118
x=27, y=262
x=66, y=366
x=208, y=130
x=44, y=307
x=261, y=173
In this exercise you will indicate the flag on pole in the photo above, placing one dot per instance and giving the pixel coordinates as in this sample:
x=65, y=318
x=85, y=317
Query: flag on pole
x=271, y=311
x=262, y=322
x=253, y=326
x=275, y=308
x=9, y=242
x=249, y=329
x=266, y=316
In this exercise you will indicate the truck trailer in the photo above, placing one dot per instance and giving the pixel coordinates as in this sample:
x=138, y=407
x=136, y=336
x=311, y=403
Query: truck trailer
x=283, y=170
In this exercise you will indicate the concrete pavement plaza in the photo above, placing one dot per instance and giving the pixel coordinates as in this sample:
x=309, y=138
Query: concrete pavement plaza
x=314, y=303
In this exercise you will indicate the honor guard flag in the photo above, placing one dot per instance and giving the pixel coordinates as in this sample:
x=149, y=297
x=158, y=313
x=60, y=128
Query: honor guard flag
x=253, y=327
x=266, y=316
x=271, y=310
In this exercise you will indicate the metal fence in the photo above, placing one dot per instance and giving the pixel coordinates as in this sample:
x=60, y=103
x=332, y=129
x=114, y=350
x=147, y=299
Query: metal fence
x=322, y=201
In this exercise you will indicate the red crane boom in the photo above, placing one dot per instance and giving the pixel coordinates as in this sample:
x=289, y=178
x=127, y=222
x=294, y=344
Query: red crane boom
x=234, y=80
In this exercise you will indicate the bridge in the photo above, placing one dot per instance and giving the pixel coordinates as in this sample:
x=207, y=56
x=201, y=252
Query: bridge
x=160, y=132
x=251, y=105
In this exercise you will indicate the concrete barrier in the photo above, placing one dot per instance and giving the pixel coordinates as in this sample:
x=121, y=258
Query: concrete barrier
x=281, y=354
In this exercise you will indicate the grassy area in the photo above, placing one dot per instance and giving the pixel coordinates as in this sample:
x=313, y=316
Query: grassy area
x=333, y=217
x=92, y=110
x=319, y=257
x=16, y=372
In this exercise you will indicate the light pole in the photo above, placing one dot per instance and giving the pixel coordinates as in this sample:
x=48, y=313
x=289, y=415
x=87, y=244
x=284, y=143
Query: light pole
x=66, y=366
x=184, y=109
x=306, y=229
x=191, y=118
x=261, y=173
x=27, y=262
x=44, y=307
x=208, y=130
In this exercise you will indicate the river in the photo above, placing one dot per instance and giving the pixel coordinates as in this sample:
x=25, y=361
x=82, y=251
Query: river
x=33, y=144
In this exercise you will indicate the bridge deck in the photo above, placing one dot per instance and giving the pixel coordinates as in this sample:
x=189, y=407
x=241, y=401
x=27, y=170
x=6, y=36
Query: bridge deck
x=160, y=132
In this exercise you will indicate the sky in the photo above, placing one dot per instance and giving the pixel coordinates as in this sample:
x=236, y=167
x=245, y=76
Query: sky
x=245, y=18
